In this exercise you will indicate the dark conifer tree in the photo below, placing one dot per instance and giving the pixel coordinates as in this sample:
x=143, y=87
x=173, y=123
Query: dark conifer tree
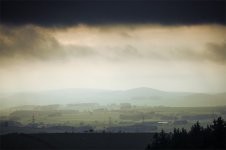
x=213, y=136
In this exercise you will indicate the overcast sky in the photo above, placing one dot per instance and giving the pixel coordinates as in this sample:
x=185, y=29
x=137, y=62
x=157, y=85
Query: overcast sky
x=167, y=45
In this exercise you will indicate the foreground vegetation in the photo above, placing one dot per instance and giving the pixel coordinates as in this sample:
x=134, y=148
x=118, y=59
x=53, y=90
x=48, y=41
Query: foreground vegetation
x=197, y=137
x=213, y=136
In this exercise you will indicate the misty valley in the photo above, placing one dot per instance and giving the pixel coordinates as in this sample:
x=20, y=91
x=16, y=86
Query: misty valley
x=93, y=117
x=92, y=110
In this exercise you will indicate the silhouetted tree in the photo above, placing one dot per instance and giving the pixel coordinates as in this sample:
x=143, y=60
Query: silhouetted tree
x=213, y=136
x=196, y=136
x=161, y=140
x=209, y=137
x=179, y=138
x=148, y=147
x=219, y=132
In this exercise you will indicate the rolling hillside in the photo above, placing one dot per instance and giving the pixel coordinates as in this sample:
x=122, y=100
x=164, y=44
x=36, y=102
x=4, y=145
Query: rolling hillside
x=138, y=96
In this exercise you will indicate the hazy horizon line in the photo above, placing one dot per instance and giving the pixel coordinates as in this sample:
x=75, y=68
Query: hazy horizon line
x=110, y=89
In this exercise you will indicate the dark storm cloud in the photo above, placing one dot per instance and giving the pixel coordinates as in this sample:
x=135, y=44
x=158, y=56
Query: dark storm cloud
x=181, y=43
x=217, y=52
x=29, y=42
x=213, y=52
x=66, y=13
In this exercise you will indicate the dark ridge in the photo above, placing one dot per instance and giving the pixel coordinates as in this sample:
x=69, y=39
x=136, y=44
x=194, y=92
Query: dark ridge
x=76, y=141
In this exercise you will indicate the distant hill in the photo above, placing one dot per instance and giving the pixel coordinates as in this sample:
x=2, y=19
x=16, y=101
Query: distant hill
x=138, y=96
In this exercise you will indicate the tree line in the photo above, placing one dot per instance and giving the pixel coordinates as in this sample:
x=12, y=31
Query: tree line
x=212, y=136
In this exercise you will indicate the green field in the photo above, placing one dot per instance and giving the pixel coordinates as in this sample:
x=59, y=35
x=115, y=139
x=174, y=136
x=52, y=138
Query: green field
x=103, y=117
